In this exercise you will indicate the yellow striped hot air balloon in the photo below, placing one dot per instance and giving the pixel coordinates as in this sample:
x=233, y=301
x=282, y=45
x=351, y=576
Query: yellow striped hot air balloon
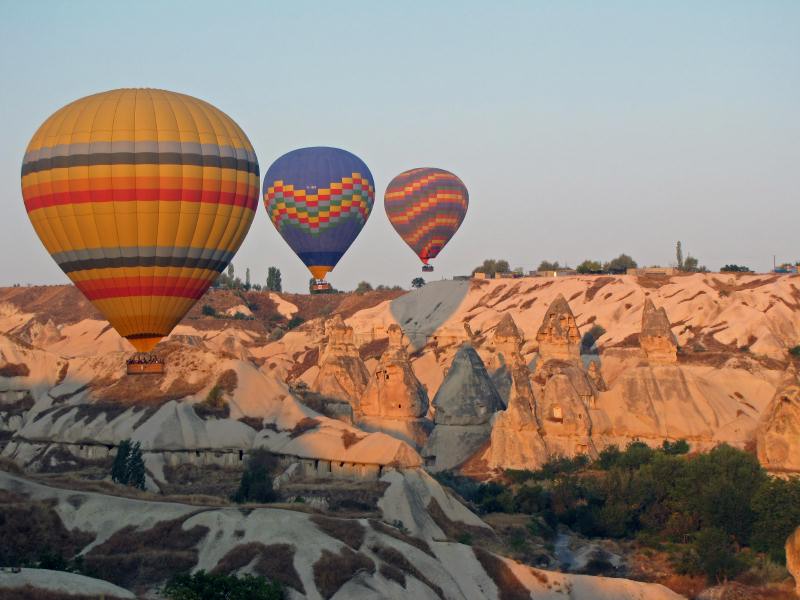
x=142, y=197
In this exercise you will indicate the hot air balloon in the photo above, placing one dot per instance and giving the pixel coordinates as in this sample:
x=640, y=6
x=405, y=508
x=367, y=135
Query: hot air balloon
x=319, y=200
x=142, y=197
x=426, y=207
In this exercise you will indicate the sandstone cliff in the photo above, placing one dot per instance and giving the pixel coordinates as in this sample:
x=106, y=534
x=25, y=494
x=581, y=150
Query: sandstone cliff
x=793, y=557
x=778, y=437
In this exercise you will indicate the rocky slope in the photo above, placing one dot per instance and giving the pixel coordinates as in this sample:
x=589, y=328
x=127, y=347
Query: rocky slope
x=312, y=555
x=701, y=357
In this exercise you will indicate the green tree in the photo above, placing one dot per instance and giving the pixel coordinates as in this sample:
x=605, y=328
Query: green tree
x=230, y=271
x=620, y=264
x=363, y=286
x=719, y=486
x=216, y=586
x=209, y=310
x=128, y=467
x=675, y=448
x=716, y=556
x=491, y=267
x=691, y=264
x=247, y=278
x=776, y=505
x=256, y=482
x=135, y=467
x=417, y=282
x=546, y=265
x=119, y=470
x=588, y=266
x=274, y=280
x=735, y=269
x=679, y=255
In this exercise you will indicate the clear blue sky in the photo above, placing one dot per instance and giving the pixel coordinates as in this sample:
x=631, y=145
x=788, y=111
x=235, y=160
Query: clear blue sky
x=582, y=129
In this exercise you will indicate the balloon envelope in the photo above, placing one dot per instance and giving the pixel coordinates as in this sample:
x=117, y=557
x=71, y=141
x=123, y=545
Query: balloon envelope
x=319, y=200
x=142, y=197
x=426, y=207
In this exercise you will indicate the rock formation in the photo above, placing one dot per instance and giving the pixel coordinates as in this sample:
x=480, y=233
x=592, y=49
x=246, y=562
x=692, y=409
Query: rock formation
x=563, y=389
x=558, y=336
x=656, y=338
x=395, y=401
x=596, y=377
x=342, y=374
x=793, y=557
x=502, y=355
x=464, y=405
x=778, y=435
x=565, y=394
x=516, y=442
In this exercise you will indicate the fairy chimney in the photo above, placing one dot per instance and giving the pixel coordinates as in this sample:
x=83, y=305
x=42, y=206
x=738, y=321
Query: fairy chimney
x=657, y=339
x=393, y=390
x=559, y=337
x=342, y=374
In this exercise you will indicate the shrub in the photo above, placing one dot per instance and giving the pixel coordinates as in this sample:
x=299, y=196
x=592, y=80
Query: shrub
x=776, y=505
x=295, y=321
x=531, y=499
x=209, y=310
x=675, y=448
x=256, y=482
x=363, y=287
x=795, y=351
x=589, y=266
x=207, y=586
x=716, y=557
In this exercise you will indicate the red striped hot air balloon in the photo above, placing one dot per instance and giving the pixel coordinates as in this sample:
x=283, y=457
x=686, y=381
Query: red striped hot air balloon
x=426, y=207
x=142, y=197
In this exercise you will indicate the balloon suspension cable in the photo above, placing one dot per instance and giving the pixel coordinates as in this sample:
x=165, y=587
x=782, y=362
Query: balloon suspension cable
x=145, y=363
x=145, y=358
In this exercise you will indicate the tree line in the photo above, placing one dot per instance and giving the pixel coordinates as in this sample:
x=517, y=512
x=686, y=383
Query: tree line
x=717, y=514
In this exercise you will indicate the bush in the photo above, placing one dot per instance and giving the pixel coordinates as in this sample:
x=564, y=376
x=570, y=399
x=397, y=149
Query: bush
x=491, y=267
x=209, y=310
x=735, y=269
x=675, y=448
x=207, y=586
x=776, y=505
x=295, y=321
x=589, y=266
x=716, y=557
x=546, y=265
x=256, y=482
x=608, y=457
x=363, y=286
x=795, y=351
x=620, y=264
x=531, y=499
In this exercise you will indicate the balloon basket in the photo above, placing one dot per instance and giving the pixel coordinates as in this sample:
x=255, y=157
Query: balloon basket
x=427, y=268
x=145, y=363
x=320, y=286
